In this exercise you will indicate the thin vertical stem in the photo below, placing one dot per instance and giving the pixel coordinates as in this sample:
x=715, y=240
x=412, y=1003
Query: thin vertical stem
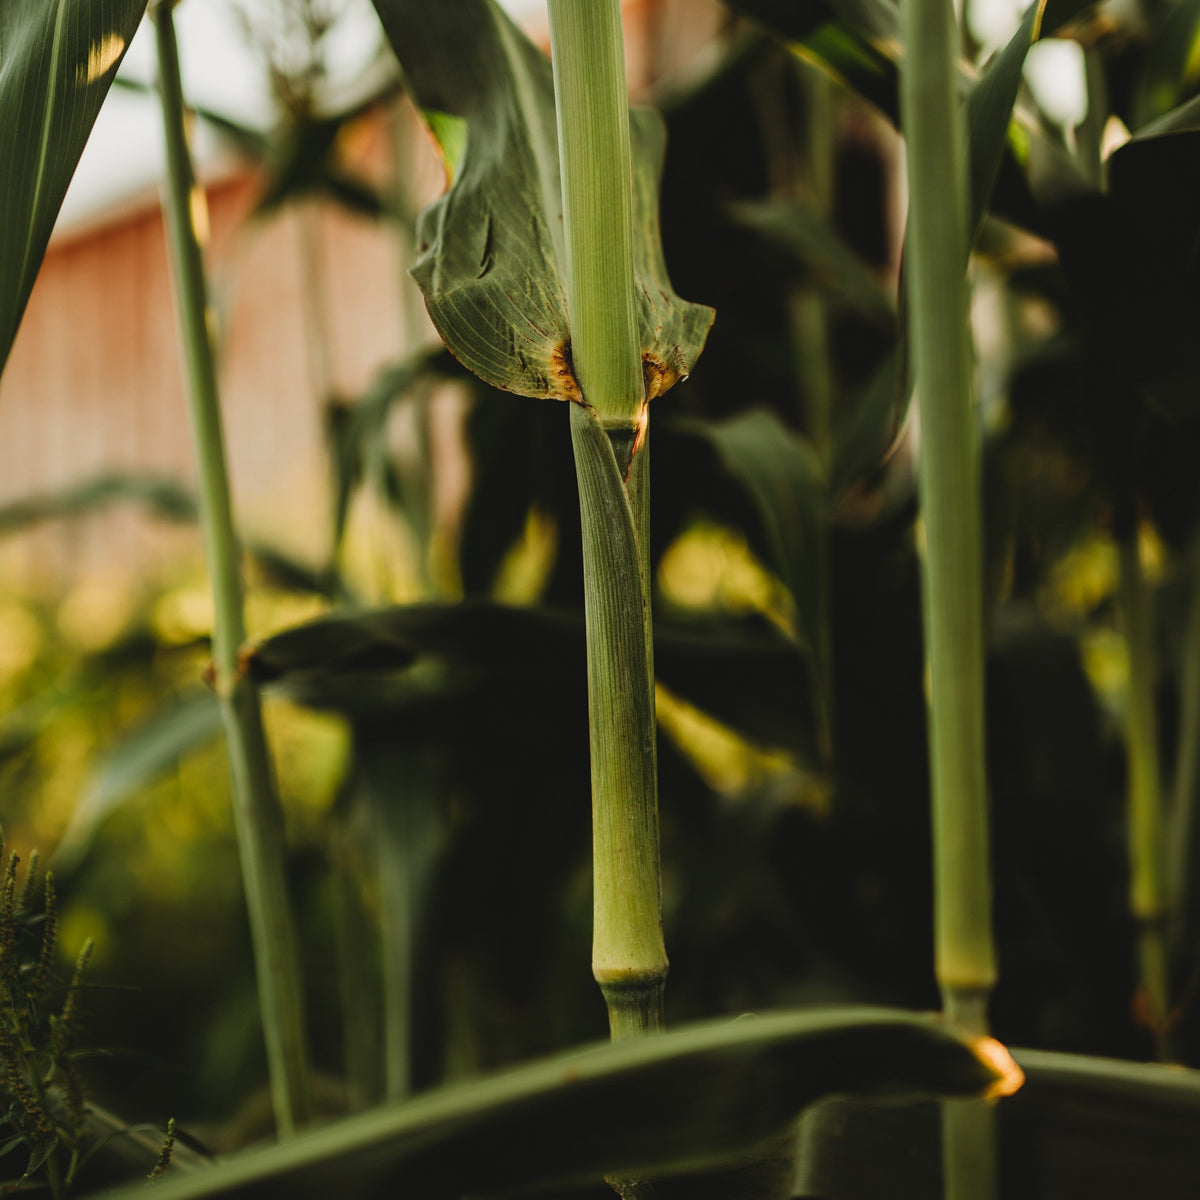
x=608, y=432
x=258, y=815
x=597, y=184
x=811, y=318
x=952, y=568
x=629, y=958
x=1184, y=874
x=950, y=500
x=1147, y=884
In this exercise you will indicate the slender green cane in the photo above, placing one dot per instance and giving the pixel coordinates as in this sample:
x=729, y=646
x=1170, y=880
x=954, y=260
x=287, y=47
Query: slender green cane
x=811, y=317
x=952, y=575
x=1147, y=883
x=612, y=465
x=258, y=815
x=1184, y=877
x=950, y=505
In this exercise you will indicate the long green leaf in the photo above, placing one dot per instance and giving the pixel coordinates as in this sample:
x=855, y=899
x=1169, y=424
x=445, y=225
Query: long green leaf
x=1080, y=1126
x=147, y=754
x=490, y=254
x=782, y=478
x=57, y=60
x=795, y=231
x=159, y=495
x=989, y=112
x=430, y=658
x=685, y=1100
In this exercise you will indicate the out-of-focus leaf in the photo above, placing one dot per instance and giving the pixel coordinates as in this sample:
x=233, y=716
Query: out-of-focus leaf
x=797, y=231
x=520, y=459
x=681, y=1101
x=1160, y=82
x=864, y=426
x=990, y=108
x=782, y=477
x=161, y=496
x=1183, y=119
x=490, y=255
x=404, y=793
x=1080, y=1126
x=245, y=138
x=290, y=574
x=57, y=60
x=147, y=754
x=1128, y=257
x=434, y=658
x=356, y=430
x=304, y=161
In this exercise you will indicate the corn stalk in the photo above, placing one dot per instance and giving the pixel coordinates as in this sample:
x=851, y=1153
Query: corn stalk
x=257, y=811
x=608, y=431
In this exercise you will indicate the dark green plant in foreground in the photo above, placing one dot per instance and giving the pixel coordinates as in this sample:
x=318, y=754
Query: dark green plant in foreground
x=39, y=1028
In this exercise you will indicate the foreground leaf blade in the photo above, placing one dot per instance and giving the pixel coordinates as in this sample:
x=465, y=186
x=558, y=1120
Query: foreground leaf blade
x=1080, y=1126
x=683, y=1100
x=57, y=61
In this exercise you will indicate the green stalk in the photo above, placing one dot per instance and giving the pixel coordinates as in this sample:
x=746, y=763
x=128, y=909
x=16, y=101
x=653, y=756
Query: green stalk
x=629, y=958
x=811, y=318
x=258, y=815
x=952, y=568
x=950, y=506
x=597, y=185
x=1184, y=876
x=1147, y=884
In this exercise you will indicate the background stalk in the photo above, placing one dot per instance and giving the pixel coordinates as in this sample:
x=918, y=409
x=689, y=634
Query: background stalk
x=1184, y=865
x=612, y=466
x=815, y=368
x=258, y=815
x=1147, y=885
x=952, y=566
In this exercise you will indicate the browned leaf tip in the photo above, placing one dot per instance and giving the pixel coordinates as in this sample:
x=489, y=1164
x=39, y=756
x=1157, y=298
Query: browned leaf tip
x=659, y=376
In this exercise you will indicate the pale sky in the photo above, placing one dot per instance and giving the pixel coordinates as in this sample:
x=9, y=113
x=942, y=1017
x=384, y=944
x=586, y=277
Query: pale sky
x=124, y=156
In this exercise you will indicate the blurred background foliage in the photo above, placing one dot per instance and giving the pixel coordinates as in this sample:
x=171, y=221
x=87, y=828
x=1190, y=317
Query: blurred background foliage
x=433, y=757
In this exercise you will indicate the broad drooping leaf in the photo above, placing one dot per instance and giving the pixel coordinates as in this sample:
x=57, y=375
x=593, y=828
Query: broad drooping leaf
x=159, y=495
x=490, y=253
x=57, y=60
x=1080, y=1126
x=1128, y=255
x=435, y=662
x=684, y=1100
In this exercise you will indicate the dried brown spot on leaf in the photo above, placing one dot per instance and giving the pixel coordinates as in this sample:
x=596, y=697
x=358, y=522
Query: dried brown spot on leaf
x=564, y=385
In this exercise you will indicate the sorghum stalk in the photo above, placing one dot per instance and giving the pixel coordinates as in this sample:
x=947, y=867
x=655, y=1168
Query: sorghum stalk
x=258, y=814
x=952, y=567
x=608, y=430
x=1184, y=865
x=949, y=480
